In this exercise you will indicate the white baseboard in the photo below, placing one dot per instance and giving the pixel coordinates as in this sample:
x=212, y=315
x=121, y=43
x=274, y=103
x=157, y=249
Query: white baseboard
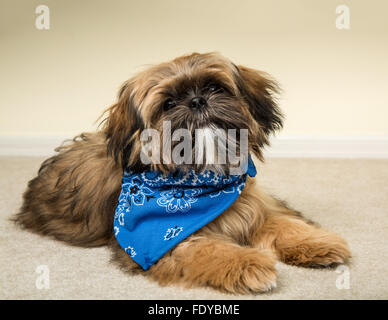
x=328, y=147
x=33, y=146
x=287, y=147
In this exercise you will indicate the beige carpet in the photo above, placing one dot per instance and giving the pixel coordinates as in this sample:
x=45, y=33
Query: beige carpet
x=347, y=196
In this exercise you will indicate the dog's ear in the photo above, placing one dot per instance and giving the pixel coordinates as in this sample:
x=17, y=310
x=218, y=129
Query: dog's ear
x=122, y=127
x=259, y=91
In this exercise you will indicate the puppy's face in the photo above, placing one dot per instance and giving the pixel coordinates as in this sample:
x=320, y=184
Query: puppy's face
x=198, y=91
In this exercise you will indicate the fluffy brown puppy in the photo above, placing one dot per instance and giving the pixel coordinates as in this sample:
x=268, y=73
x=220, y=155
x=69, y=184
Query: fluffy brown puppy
x=74, y=196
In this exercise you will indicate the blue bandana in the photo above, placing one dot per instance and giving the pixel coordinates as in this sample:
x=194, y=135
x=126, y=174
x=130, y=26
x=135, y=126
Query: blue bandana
x=155, y=212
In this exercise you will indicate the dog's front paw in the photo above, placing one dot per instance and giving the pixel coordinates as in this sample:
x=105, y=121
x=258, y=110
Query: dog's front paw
x=252, y=272
x=325, y=251
x=202, y=262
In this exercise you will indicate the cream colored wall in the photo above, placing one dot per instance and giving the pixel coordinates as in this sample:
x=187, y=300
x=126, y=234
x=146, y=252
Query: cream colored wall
x=57, y=82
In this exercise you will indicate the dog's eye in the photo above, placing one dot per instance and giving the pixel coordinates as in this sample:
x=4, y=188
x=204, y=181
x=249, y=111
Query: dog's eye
x=168, y=104
x=214, y=88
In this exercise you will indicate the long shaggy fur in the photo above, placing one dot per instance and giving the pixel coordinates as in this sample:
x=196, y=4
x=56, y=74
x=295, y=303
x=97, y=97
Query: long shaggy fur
x=74, y=196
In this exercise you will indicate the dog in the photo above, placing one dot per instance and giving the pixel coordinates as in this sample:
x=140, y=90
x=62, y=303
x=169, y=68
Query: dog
x=74, y=196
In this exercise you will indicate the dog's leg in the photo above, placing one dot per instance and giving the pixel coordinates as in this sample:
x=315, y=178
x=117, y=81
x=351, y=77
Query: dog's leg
x=298, y=241
x=204, y=261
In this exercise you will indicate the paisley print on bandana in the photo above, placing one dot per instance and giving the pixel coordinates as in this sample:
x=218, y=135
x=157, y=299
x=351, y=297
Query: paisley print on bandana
x=155, y=212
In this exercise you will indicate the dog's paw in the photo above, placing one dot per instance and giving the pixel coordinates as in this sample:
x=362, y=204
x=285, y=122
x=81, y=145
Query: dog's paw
x=327, y=251
x=250, y=273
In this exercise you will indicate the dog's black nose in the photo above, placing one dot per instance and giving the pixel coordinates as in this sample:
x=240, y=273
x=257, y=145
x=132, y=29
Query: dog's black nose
x=198, y=103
